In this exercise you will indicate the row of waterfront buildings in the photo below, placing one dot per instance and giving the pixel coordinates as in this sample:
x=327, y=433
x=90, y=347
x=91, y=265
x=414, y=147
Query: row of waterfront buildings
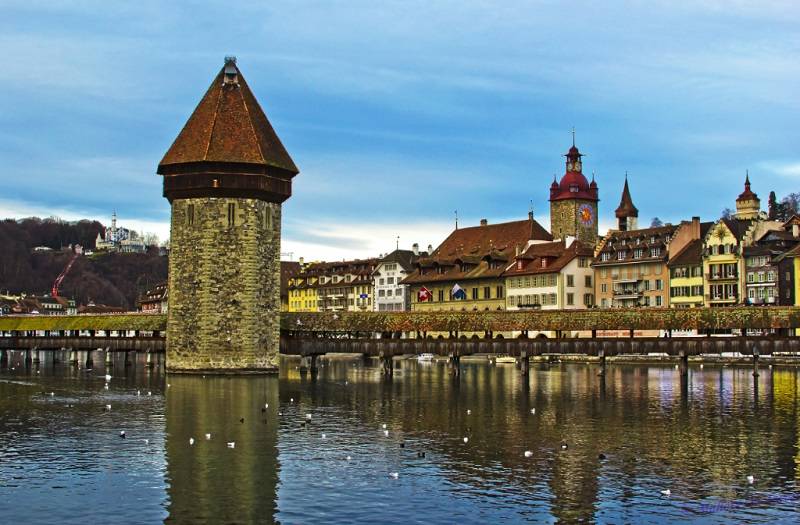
x=741, y=259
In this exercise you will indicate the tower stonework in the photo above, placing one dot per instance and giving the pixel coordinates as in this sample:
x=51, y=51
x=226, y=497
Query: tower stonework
x=573, y=203
x=225, y=176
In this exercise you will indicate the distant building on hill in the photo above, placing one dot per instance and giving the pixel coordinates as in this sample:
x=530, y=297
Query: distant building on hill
x=37, y=305
x=92, y=308
x=117, y=239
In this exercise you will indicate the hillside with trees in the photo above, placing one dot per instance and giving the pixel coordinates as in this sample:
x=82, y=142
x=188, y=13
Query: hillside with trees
x=115, y=279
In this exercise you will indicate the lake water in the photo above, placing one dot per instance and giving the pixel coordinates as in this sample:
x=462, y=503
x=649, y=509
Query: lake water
x=629, y=437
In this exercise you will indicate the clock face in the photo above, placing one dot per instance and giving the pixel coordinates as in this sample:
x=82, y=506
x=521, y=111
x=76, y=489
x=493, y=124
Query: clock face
x=586, y=214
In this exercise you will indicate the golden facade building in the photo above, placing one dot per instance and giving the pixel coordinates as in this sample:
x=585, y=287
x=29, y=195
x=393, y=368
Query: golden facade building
x=466, y=271
x=685, y=253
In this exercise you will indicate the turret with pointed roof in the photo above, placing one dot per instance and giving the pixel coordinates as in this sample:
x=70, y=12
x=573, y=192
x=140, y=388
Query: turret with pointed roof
x=627, y=214
x=225, y=175
x=573, y=202
x=748, y=205
x=228, y=147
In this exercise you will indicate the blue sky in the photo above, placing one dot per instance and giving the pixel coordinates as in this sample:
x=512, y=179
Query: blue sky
x=399, y=113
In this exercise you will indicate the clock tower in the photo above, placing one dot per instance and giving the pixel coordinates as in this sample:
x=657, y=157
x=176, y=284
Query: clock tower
x=573, y=202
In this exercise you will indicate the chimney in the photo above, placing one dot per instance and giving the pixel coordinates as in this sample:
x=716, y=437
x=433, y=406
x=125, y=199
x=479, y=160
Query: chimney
x=695, y=227
x=415, y=249
x=484, y=222
x=301, y=262
x=430, y=249
x=530, y=215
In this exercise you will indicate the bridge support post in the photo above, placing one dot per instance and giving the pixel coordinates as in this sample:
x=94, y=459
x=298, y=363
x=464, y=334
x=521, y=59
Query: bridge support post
x=524, y=363
x=149, y=360
x=27, y=358
x=36, y=358
x=387, y=364
x=684, y=364
x=305, y=364
x=455, y=364
x=73, y=357
x=3, y=359
x=127, y=358
x=89, y=361
x=755, y=361
x=109, y=362
x=602, y=355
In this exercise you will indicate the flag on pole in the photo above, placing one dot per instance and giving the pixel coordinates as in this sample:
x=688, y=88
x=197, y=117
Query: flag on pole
x=424, y=295
x=458, y=292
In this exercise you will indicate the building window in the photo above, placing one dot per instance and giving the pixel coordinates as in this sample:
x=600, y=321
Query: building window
x=231, y=214
x=570, y=280
x=474, y=294
x=659, y=284
x=588, y=300
x=658, y=300
x=487, y=292
x=603, y=288
x=637, y=253
x=770, y=276
x=380, y=282
x=190, y=215
x=499, y=292
x=390, y=280
x=441, y=295
x=605, y=256
x=655, y=252
x=588, y=280
x=570, y=299
x=621, y=255
x=381, y=293
x=583, y=262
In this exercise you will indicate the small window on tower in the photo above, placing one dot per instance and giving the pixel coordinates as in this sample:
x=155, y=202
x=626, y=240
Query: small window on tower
x=231, y=214
x=190, y=214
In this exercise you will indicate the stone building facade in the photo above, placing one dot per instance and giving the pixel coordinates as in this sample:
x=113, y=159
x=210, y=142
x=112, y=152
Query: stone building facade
x=225, y=175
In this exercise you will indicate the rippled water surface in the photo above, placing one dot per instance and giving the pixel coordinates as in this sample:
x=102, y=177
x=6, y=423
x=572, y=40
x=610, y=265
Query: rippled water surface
x=629, y=437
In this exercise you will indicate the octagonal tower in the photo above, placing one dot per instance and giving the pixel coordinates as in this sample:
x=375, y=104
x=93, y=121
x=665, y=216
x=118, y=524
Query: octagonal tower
x=225, y=176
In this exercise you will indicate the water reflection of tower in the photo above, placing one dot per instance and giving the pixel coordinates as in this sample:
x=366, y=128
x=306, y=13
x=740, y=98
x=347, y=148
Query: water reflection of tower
x=209, y=482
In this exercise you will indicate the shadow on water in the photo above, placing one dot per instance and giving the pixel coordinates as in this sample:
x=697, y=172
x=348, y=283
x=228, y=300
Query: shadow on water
x=212, y=481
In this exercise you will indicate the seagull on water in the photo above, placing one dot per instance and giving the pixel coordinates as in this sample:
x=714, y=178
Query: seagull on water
x=394, y=475
x=108, y=407
x=231, y=444
x=533, y=411
x=386, y=433
x=122, y=434
x=666, y=492
x=208, y=436
x=348, y=458
x=751, y=479
x=469, y=411
x=528, y=453
x=108, y=377
x=466, y=440
x=191, y=441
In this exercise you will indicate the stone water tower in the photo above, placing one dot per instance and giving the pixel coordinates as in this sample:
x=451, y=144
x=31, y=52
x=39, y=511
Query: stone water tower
x=225, y=176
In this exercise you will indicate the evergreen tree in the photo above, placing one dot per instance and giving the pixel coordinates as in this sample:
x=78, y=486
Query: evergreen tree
x=772, y=206
x=656, y=222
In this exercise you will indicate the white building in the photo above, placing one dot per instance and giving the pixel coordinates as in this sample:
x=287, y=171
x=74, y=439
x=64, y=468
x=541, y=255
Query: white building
x=119, y=239
x=390, y=295
x=551, y=276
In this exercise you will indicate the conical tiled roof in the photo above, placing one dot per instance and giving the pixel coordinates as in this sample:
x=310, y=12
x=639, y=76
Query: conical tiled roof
x=626, y=207
x=228, y=126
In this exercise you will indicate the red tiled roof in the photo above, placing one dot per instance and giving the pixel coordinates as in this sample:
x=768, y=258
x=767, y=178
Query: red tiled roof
x=478, y=251
x=556, y=254
x=228, y=125
x=747, y=194
x=691, y=254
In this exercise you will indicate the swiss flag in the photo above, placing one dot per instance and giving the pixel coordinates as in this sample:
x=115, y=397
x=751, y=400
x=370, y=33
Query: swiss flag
x=424, y=295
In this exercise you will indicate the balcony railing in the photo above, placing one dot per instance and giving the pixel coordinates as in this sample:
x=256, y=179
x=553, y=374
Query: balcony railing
x=721, y=277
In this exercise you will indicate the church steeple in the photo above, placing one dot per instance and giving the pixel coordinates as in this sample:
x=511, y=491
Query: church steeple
x=626, y=213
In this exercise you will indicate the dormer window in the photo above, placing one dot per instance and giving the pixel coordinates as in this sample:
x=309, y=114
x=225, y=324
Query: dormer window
x=621, y=255
x=544, y=263
x=519, y=265
x=652, y=239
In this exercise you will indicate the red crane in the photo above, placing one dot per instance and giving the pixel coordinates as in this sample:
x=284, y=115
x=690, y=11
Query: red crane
x=64, y=272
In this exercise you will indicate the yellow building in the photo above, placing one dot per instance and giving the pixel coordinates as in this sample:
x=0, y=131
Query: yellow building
x=466, y=271
x=723, y=265
x=686, y=264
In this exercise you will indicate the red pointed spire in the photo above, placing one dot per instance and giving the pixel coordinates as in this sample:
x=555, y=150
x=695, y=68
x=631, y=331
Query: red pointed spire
x=626, y=207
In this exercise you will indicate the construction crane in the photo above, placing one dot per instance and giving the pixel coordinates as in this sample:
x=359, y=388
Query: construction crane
x=64, y=272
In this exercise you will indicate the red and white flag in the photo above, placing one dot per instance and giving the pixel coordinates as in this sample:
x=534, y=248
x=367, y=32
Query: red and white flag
x=424, y=295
